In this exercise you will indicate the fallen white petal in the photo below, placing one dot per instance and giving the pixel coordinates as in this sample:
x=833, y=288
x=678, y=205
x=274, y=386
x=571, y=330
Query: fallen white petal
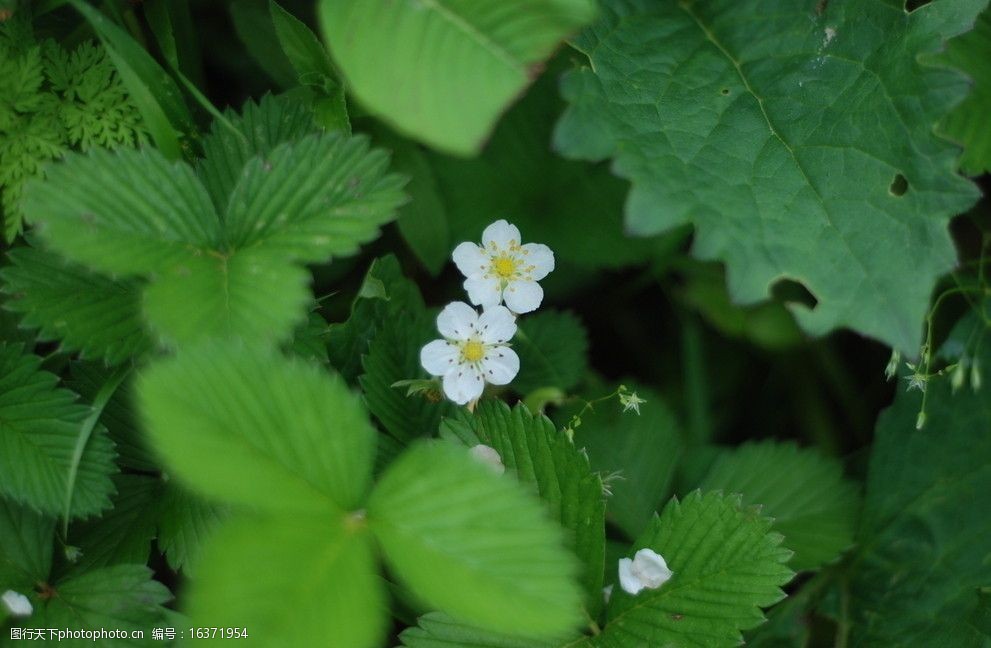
x=627, y=580
x=16, y=603
x=650, y=568
x=488, y=456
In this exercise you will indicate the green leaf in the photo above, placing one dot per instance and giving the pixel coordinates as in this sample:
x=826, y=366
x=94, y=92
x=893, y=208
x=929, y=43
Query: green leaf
x=121, y=597
x=923, y=552
x=553, y=349
x=39, y=428
x=805, y=151
x=384, y=293
x=443, y=71
x=643, y=449
x=394, y=355
x=804, y=492
x=253, y=24
x=543, y=457
x=473, y=544
x=251, y=294
x=726, y=565
x=553, y=201
x=125, y=213
x=96, y=316
x=25, y=546
x=249, y=427
x=967, y=124
x=257, y=129
x=313, y=583
x=310, y=339
x=124, y=533
x=436, y=630
x=301, y=46
x=185, y=522
x=323, y=195
x=153, y=91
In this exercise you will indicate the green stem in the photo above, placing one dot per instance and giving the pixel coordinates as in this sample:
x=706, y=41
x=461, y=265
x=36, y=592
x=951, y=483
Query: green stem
x=86, y=431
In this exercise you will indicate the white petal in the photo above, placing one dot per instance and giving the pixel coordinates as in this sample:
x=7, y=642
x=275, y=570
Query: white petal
x=650, y=568
x=630, y=583
x=500, y=365
x=483, y=291
x=438, y=357
x=463, y=384
x=502, y=234
x=16, y=603
x=488, y=456
x=457, y=321
x=523, y=296
x=496, y=325
x=470, y=259
x=540, y=257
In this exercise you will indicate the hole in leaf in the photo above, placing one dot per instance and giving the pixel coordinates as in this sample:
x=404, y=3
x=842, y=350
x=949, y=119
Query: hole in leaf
x=725, y=91
x=791, y=291
x=912, y=5
x=899, y=185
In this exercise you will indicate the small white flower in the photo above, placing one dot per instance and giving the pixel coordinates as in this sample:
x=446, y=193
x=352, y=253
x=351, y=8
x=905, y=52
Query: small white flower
x=488, y=456
x=631, y=401
x=473, y=351
x=647, y=570
x=504, y=269
x=16, y=603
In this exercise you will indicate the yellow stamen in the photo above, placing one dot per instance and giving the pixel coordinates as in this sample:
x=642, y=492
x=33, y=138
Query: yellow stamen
x=472, y=351
x=504, y=266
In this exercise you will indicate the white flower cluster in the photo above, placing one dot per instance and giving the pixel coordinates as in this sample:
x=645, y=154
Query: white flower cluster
x=475, y=349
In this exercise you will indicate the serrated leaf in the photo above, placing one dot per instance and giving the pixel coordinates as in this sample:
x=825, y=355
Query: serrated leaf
x=249, y=427
x=473, y=544
x=394, y=355
x=126, y=213
x=185, y=523
x=443, y=71
x=803, y=150
x=309, y=340
x=924, y=553
x=643, y=449
x=553, y=350
x=25, y=546
x=40, y=425
x=89, y=313
x=121, y=597
x=308, y=200
x=726, y=565
x=384, y=293
x=249, y=294
x=313, y=583
x=967, y=124
x=436, y=630
x=541, y=456
x=804, y=492
x=257, y=129
x=122, y=534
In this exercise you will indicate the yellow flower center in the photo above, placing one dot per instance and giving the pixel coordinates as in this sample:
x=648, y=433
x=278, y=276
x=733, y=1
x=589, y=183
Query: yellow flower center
x=504, y=266
x=472, y=351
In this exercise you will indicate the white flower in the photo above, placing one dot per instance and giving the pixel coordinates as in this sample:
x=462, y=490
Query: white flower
x=504, y=269
x=647, y=570
x=473, y=351
x=489, y=456
x=16, y=603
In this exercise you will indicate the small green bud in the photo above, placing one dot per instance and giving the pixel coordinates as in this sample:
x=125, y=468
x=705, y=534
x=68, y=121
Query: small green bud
x=892, y=368
x=959, y=375
x=975, y=376
x=920, y=421
x=72, y=554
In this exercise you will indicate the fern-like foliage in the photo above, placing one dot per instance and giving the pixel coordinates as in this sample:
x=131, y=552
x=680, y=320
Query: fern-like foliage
x=52, y=100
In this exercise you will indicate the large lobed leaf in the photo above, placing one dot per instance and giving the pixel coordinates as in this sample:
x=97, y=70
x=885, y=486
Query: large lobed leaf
x=249, y=427
x=796, y=137
x=812, y=505
x=474, y=544
x=538, y=454
x=924, y=555
x=967, y=124
x=443, y=70
x=40, y=427
x=726, y=565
